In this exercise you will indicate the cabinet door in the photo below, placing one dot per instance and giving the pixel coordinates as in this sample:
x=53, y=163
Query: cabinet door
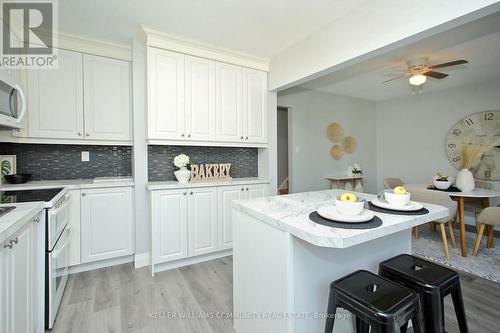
x=166, y=116
x=200, y=98
x=255, y=100
x=106, y=223
x=20, y=281
x=74, y=223
x=229, y=103
x=226, y=195
x=255, y=191
x=107, y=98
x=169, y=225
x=55, y=99
x=202, y=221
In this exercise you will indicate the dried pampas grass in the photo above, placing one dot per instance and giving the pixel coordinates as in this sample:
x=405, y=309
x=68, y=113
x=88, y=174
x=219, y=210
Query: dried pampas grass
x=471, y=153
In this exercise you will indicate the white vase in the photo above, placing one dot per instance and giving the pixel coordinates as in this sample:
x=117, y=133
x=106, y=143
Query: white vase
x=182, y=175
x=465, y=180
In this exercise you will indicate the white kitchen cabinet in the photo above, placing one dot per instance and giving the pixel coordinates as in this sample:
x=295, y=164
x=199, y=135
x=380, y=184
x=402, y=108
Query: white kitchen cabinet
x=226, y=196
x=166, y=107
x=255, y=191
x=255, y=106
x=169, y=228
x=202, y=221
x=229, y=103
x=106, y=98
x=106, y=223
x=19, y=300
x=55, y=99
x=200, y=98
x=75, y=257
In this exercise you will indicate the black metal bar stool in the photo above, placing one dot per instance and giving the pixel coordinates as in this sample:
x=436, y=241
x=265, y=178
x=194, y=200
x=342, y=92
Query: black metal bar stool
x=375, y=301
x=432, y=282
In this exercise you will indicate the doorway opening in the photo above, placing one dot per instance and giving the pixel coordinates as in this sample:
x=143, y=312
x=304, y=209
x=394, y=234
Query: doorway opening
x=282, y=150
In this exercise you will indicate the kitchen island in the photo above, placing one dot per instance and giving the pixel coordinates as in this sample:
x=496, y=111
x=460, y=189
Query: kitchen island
x=283, y=263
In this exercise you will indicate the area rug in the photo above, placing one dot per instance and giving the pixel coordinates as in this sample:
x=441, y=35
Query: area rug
x=486, y=264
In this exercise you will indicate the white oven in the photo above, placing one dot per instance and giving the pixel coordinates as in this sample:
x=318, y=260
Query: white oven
x=58, y=234
x=12, y=103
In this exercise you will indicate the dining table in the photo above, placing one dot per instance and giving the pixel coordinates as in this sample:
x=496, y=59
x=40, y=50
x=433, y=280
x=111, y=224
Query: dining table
x=461, y=197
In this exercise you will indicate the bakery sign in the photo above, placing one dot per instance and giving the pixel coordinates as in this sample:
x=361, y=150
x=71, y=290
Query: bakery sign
x=208, y=172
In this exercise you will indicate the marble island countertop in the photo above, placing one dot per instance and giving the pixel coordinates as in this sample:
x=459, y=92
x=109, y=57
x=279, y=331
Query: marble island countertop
x=291, y=214
x=15, y=219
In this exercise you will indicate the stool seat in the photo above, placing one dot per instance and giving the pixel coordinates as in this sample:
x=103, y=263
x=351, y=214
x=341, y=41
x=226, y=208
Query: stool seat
x=432, y=282
x=375, y=302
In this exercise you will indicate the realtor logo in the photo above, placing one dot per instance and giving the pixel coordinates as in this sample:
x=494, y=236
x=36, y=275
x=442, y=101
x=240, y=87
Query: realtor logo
x=29, y=38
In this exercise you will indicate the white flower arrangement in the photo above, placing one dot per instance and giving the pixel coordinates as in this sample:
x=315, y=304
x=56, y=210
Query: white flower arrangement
x=181, y=160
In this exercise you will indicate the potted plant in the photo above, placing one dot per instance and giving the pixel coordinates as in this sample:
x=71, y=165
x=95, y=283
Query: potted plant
x=183, y=174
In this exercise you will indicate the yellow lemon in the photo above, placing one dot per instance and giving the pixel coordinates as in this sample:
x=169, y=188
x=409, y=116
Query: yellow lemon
x=399, y=190
x=348, y=197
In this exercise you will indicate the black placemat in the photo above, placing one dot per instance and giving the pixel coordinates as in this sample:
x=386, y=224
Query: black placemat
x=374, y=208
x=375, y=222
x=449, y=189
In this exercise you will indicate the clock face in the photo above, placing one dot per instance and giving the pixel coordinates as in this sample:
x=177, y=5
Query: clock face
x=479, y=128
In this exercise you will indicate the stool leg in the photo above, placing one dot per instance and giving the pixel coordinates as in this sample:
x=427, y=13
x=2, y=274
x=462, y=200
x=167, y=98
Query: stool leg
x=361, y=326
x=433, y=312
x=458, y=304
x=332, y=309
x=417, y=320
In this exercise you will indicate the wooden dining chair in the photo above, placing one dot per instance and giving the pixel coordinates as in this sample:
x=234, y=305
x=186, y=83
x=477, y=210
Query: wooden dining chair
x=488, y=217
x=390, y=183
x=442, y=199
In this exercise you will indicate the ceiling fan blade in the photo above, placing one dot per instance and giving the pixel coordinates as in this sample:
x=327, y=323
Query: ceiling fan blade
x=395, y=78
x=435, y=75
x=451, y=63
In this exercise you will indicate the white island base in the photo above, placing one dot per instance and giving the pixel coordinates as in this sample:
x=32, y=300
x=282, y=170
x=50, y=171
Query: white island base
x=281, y=282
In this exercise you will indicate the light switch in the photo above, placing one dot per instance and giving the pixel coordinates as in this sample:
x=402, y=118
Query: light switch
x=85, y=156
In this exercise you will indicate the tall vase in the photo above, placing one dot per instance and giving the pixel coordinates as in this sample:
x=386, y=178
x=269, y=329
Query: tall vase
x=465, y=180
x=182, y=175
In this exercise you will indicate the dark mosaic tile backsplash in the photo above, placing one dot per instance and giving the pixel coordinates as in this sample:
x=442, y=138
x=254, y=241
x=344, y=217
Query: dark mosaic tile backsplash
x=244, y=161
x=51, y=162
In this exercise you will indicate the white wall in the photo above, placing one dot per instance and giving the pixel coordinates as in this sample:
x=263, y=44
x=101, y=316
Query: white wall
x=310, y=113
x=412, y=131
x=369, y=30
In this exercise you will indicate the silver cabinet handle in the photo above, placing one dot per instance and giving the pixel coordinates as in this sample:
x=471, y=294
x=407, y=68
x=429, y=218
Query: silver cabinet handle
x=7, y=246
x=247, y=188
x=246, y=138
x=79, y=133
x=191, y=193
x=84, y=194
x=189, y=135
x=242, y=189
x=241, y=138
x=184, y=193
x=15, y=241
x=182, y=134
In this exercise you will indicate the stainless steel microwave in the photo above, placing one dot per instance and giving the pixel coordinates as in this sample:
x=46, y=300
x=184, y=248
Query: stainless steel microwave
x=12, y=103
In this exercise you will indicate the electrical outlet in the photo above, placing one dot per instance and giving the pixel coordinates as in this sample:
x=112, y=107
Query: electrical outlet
x=85, y=156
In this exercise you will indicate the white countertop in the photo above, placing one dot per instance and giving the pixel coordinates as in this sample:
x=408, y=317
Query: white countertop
x=166, y=185
x=15, y=219
x=475, y=193
x=291, y=213
x=98, y=182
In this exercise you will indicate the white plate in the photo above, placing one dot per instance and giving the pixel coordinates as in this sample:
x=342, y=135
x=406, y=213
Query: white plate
x=331, y=213
x=409, y=207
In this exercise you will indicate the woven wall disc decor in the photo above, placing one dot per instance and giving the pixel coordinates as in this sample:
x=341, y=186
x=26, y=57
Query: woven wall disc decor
x=337, y=152
x=349, y=144
x=335, y=132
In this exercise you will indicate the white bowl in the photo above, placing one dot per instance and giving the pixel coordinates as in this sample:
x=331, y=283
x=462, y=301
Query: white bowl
x=397, y=199
x=441, y=185
x=350, y=208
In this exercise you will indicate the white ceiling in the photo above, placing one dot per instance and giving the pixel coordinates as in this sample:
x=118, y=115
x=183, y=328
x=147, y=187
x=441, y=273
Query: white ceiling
x=260, y=28
x=478, y=43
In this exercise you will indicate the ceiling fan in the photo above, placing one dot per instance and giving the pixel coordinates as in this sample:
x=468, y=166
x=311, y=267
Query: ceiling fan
x=418, y=71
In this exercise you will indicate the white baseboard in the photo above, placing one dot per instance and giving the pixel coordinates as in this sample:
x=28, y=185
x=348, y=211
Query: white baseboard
x=141, y=260
x=190, y=261
x=100, y=264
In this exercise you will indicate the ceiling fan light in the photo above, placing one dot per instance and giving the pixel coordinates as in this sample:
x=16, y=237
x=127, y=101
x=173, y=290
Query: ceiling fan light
x=417, y=80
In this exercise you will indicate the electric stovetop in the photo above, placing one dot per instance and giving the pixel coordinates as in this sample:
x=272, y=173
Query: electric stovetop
x=29, y=195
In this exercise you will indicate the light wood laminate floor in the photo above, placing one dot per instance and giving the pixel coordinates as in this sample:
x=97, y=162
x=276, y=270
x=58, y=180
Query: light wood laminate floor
x=122, y=299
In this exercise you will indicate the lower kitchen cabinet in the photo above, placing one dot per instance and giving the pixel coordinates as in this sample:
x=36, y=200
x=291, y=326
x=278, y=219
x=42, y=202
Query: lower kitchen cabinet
x=106, y=223
x=193, y=222
x=19, y=278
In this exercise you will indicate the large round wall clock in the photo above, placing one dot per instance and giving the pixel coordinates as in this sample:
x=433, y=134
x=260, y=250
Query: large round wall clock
x=478, y=128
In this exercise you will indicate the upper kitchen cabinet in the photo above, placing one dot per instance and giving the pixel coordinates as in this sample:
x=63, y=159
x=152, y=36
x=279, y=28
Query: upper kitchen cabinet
x=106, y=98
x=197, y=101
x=88, y=95
x=57, y=94
x=166, y=111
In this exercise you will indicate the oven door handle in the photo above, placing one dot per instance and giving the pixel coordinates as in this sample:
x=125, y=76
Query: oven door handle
x=56, y=252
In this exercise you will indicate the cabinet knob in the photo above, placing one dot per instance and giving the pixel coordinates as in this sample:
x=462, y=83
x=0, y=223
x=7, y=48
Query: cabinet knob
x=189, y=135
x=191, y=193
x=79, y=133
x=14, y=241
x=87, y=134
x=246, y=138
x=7, y=246
x=182, y=134
x=184, y=193
x=37, y=220
x=246, y=189
x=241, y=138
x=242, y=189
x=84, y=194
